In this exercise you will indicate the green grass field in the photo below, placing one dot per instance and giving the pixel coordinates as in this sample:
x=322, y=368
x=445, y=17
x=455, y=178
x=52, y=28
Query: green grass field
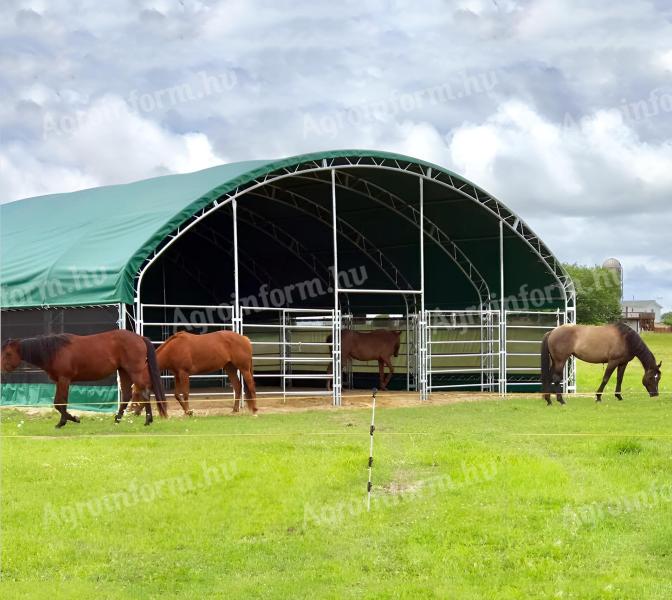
x=493, y=499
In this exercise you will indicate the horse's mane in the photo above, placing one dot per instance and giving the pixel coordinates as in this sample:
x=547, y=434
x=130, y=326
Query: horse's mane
x=636, y=345
x=41, y=349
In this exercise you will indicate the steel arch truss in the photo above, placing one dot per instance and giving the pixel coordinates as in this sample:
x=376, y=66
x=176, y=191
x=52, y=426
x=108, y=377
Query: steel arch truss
x=286, y=240
x=396, y=204
x=342, y=170
x=466, y=189
x=221, y=242
x=345, y=230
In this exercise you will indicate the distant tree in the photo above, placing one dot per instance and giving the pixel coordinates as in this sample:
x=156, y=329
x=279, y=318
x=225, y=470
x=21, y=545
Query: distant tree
x=598, y=294
x=667, y=318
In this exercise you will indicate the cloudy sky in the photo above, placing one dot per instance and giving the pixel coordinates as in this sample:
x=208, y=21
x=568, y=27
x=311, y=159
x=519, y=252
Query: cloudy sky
x=560, y=108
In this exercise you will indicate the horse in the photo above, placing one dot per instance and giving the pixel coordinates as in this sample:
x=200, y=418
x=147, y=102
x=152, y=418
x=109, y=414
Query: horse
x=379, y=344
x=615, y=344
x=186, y=354
x=67, y=358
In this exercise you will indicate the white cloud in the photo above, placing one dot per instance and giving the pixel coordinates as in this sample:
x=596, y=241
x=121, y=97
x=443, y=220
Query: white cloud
x=594, y=166
x=665, y=60
x=103, y=144
x=593, y=185
x=23, y=175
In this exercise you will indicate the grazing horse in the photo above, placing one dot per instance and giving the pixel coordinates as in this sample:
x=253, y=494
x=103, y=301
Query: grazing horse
x=379, y=344
x=615, y=344
x=186, y=354
x=67, y=358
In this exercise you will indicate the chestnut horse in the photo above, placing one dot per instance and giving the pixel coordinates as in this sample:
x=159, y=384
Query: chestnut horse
x=67, y=358
x=186, y=354
x=615, y=344
x=379, y=344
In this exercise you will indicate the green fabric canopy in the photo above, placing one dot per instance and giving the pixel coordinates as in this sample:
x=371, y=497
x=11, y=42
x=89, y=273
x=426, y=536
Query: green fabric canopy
x=85, y=247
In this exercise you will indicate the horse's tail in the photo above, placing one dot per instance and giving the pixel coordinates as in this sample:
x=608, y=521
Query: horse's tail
x=155, y=376
x=545, y=365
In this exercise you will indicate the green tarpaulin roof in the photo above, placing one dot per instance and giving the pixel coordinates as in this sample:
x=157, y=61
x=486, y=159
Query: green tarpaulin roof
x=86, y=247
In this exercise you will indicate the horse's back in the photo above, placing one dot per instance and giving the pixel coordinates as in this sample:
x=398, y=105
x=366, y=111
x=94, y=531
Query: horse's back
x=206, y=352
x=100, y=354
x=115, y=340
x=591, y=343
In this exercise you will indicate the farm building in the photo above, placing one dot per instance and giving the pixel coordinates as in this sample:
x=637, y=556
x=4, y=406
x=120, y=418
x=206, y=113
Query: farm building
x=641, y=315
x=288, y=252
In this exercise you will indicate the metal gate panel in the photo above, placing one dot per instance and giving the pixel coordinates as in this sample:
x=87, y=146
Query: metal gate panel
x=463, y=349
x=159, y=321
x=290, y=345
x=523, y=332
x=405, y=365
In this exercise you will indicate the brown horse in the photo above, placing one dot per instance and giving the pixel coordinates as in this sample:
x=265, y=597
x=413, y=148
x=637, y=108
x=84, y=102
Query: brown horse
x=615, y=344
x=186, y=354
x=67, y=358
x=379, y=344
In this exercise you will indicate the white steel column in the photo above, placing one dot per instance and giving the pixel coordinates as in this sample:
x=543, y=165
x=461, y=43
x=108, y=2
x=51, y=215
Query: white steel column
x=572, y=367
x=121, y=323
x=283, y=355
x=502, y=315
x=425, y=332
x=336, y=336
x=138, y=313
x=236, y=303
x=408, y=351
x=237, y=314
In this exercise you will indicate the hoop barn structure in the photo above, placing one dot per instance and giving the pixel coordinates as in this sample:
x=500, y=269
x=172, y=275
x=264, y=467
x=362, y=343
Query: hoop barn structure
x=289, y=252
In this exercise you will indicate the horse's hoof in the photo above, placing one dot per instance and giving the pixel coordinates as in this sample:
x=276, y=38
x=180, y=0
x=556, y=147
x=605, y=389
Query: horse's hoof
x=619, y=397
x=59, y=425
x=76, y=419
x=190, y=413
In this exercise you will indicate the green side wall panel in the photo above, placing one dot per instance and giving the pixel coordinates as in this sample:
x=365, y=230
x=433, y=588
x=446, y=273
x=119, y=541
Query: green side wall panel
x=98, y=398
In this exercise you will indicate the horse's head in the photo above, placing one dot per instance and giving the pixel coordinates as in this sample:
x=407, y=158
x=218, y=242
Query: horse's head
x=11, y=355
x=651, y=379
x=136, y=407
x=397, y=342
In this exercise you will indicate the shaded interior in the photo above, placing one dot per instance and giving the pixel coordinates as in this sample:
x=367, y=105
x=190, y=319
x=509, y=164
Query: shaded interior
x=285, y=243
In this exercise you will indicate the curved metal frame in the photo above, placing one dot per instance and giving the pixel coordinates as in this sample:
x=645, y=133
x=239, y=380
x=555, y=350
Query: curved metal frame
x=432, y=230
x=339, y=165
x=289, y=243
x=488, y=202
x=251, y=265
x=345, y=229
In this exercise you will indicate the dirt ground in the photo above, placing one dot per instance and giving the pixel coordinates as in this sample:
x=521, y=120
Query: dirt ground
x=210, y=405
x=267, y=404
